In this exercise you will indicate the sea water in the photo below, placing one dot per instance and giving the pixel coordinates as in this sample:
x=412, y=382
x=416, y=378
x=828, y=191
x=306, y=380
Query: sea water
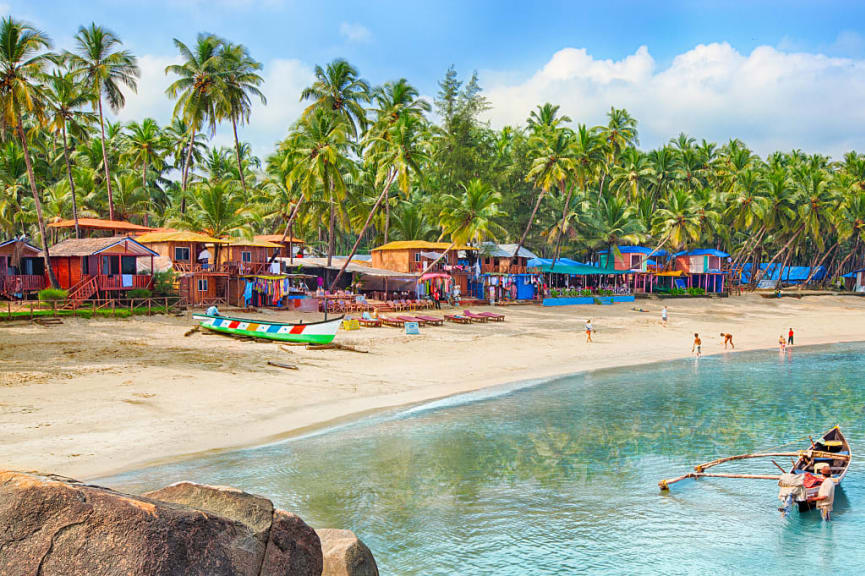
x=562, y=477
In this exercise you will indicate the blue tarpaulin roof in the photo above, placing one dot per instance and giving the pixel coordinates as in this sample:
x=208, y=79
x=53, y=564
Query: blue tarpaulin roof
x=703, y=252
x=578, y=270
x=538, y=262
x=853, y=273
x=792, y=274
x=637, y=250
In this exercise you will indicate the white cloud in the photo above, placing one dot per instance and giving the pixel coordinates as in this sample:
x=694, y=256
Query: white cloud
x=354, y=32
x=150, y=101
x=770, y=98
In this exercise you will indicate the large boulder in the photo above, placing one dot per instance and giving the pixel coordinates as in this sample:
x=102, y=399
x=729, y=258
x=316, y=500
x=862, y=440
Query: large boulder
x=55, y=526
x=345, y=554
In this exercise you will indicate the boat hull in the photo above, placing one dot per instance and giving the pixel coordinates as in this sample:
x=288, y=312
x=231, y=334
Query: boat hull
x=312, y=333
x=802, y=465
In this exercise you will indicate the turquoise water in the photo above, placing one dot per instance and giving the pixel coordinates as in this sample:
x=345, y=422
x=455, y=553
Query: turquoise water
x=561, y=478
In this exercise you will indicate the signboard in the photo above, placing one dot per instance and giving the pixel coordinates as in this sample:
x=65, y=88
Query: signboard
x=412, y=328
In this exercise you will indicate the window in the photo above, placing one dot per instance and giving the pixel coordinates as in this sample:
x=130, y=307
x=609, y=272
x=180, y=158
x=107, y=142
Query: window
x=636, y=260
x=85, y=265
x=417, y=256
x=181, y=254
x=128, y=265
x=111, y=265
x=202, y=284
x=246, y=256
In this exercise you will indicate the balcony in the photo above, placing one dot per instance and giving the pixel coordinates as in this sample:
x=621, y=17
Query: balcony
x=235, y=267
x=20, y=283
x=123, y=281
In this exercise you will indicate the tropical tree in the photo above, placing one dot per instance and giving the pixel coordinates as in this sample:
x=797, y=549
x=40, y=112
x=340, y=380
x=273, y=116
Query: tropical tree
x=144, y=146
x=104, y=69
x=22, y=63
x=339, y=89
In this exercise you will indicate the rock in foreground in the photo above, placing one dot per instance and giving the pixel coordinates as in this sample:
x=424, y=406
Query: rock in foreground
x=345, y=555
x=55, y=526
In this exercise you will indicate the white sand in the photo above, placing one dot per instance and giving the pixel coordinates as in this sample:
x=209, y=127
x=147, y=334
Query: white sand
x=89, y=398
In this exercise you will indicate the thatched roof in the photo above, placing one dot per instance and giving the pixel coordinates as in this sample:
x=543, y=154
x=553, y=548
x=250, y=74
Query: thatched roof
x=99, y=224
x=92, y=246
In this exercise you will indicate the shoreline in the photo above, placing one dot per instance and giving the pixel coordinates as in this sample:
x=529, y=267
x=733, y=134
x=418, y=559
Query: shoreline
x=359, y=418
x=160, y=398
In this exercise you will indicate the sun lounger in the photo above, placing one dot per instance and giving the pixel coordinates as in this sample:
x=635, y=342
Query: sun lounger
x=457, y=319
x=405, y=318
x=474, y=317
x=370, y=322
x=493, y=316
x=432, y=320
x=392, y=322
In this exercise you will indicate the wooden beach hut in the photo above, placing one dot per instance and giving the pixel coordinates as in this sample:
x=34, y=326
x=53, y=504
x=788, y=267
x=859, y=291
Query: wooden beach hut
x=183, y=251
x=22, y=270
x=702, y=268
x=290, y=247
x=241, y=256
x=100, y=266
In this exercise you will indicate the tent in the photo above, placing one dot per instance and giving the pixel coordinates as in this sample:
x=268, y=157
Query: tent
x=791, y=275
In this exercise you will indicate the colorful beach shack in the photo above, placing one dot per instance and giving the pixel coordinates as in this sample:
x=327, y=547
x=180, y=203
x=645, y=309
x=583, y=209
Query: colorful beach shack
x=241, y=256
x=88, y=267
x=290, y=247
x=504, y=277
x=702, y=268
x=22, y=269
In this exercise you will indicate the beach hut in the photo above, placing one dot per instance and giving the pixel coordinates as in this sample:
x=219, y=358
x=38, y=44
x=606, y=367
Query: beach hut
x=790, y=274
x=702, y=268
x=640, y=262
x=290, y=247
x=181, y=250
x=241, y=256
x=92, y=266
x=855, y=280
x=22, y=269
x=92, y=227
x=414, y=255
x=503, y=277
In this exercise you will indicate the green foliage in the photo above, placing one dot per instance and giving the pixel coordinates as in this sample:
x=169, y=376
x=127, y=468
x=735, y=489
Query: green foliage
x=140, y=293
x=52, y=295
x=164, y=282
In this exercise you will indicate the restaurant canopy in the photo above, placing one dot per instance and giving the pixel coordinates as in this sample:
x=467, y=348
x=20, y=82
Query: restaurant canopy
x=578, y=270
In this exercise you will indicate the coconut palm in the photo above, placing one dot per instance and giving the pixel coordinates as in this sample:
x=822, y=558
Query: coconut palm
x=677, y=220
x=144, y=146
x=241, y=83
x=612, y=222
x=200, y=84
x=104, y=69
x=339, y=89
x=22, y=62
x=65, y=98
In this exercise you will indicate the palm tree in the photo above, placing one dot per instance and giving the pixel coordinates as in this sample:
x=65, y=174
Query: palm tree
x=144, y=147
x=218, y=209
x=241, y=81
x=338, y=88
x=22, y=61
x=469, y=217
x=65, y=97
x=544, y=117
x=678, y=219
x=613, y=222
x=104, y=69
x=200, y=85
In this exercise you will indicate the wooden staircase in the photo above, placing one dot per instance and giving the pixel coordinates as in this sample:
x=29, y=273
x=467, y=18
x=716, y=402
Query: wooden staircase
x=82, y=291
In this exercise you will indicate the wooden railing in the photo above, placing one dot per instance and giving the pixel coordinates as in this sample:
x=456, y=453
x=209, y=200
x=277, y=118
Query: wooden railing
x=14, y=284
x=115, y=282
x=103, y=307
x=188, y=267
x=236, y=267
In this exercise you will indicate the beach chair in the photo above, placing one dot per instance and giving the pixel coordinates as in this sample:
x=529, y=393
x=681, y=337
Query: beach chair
x=431, y=320
x=392, y=322
x=457, y=319
x=475, y=317
x=493, y=316
x=406, y=318
x=369, y=321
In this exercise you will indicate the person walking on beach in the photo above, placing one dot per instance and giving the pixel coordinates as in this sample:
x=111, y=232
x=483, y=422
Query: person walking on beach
x=790, y=337
x=728, y=339
x=826, y=495
x=664, y=316
x=697, y=346
x=589, y=330
x=782, y=344
x=437, y=298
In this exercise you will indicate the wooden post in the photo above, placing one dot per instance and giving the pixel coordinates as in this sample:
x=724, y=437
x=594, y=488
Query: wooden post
x=9, y=309
x=54, y=308
x=149, y=300
x=113, y=308
x=166, y=305
x=31, y=311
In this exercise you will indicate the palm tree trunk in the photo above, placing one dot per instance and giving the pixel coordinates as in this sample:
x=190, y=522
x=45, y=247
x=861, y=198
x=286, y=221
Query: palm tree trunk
x=783, y=266
x=386, y=215
x=71, y=180
x=381, y=197
x=562, y=227
x=528, y=225
x=436, y=261
x=814, y=265
x=287, y=232
x=331, y=226
x=760, y=273
x=45, y=254
x=105, y=162
x=144, y=183
x=840, y=268
x=188, y=161
x=237, y=155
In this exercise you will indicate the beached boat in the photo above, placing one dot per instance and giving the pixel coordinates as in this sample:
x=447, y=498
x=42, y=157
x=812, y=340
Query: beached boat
x=833, y=449
x=313, y=332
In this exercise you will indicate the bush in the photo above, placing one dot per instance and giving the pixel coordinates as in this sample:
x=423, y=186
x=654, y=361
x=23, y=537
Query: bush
x=695, y=291
x=554, y=293
x=164, y=282
x=52, y=295
x=140, y=293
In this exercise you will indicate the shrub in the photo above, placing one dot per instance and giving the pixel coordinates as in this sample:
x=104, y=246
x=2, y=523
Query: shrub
x=164, y=282
x=52, y=294
x=140, y=293
x=695, y=291
x=554, y=293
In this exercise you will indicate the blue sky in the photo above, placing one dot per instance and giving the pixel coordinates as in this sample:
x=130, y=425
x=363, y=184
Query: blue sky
x=777, y=74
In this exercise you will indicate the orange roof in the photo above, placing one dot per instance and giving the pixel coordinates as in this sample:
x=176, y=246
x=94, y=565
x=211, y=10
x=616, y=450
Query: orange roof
x=278, y=238
x=99, y=224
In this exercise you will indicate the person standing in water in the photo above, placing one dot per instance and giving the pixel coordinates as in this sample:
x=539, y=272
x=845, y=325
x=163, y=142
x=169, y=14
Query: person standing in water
x=790, y=337
x=728, y=339
x=781, y=343
x=589, y=330
x=664, y=316
x=697, y=346
x=826, y=495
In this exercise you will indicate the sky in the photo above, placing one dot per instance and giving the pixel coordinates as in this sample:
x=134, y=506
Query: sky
x=779, y=75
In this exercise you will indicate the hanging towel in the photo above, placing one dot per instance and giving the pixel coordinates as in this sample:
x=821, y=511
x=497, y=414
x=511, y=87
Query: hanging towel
x=126, y=280
x=247, y=294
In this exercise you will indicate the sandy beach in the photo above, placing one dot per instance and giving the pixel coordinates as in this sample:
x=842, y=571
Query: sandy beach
x=89, y=398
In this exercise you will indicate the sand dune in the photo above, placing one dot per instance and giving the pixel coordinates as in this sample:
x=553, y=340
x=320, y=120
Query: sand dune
x=88, y=398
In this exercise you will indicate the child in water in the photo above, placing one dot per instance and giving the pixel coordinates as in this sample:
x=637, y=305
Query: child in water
x=698, y=345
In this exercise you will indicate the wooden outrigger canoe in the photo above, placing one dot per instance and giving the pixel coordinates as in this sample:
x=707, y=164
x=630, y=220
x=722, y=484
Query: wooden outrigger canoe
x=314, y=332
x=831, y=448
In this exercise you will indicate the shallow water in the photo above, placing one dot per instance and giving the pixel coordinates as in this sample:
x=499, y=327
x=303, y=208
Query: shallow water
x=561, y=478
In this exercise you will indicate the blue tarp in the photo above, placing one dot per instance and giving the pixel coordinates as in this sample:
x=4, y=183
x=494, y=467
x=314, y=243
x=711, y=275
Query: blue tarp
x=791, y=275
x=637, y=250
x=703, y=252
x=853, y=273
x=538, y=262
